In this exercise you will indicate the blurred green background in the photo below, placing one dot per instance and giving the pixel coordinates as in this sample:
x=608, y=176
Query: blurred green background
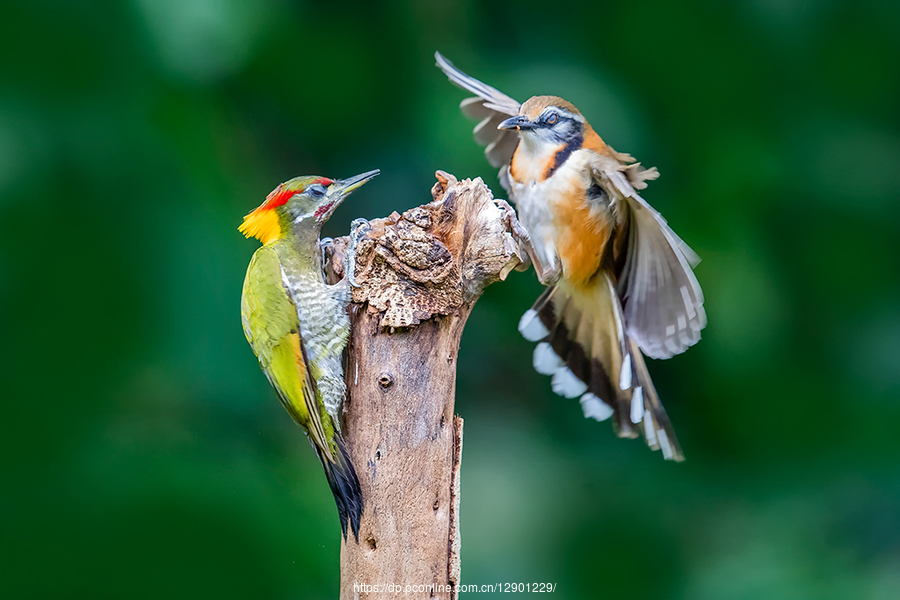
x=144, y=455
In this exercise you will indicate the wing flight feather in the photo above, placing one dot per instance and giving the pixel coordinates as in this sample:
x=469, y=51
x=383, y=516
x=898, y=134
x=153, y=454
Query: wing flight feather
x=489, y=106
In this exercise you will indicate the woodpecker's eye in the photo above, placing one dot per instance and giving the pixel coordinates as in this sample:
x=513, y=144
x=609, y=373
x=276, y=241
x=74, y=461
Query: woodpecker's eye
x=551, y=118
x=316, y=191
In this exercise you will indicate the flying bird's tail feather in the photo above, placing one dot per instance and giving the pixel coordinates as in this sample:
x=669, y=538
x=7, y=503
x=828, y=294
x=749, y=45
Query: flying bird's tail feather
x=583, y=346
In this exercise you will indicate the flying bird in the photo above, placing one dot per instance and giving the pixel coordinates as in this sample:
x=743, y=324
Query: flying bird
x=620, y=281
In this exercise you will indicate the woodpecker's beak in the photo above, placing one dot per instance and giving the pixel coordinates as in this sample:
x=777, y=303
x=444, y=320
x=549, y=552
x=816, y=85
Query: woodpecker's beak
x=520, y=123
x=342, y=188
x=345, y=186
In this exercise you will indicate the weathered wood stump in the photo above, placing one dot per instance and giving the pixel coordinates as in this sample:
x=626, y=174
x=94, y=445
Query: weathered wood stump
x=420, y=274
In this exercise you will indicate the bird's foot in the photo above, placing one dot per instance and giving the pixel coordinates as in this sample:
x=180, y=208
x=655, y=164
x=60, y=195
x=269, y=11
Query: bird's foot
x=509, y=218
x=359, y=228
x=547, y=276
x=326, y=245
x=518, y=233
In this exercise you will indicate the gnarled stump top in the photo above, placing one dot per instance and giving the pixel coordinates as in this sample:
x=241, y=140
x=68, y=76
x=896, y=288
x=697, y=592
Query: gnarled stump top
x=433, y=258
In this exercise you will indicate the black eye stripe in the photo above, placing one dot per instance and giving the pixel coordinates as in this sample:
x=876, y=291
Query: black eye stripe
x=553, y=118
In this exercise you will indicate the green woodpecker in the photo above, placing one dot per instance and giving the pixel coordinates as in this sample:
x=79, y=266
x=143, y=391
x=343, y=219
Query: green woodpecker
x=620, y=280
x=298, y=325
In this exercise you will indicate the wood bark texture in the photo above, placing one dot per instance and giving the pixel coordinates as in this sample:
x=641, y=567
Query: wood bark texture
x=420, y=274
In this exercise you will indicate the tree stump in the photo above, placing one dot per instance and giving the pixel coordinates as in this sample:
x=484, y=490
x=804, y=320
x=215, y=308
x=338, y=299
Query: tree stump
x=420, y=274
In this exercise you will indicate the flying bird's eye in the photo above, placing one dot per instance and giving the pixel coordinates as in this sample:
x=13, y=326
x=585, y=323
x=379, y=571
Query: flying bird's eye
x=551, y=118
x=317, y=191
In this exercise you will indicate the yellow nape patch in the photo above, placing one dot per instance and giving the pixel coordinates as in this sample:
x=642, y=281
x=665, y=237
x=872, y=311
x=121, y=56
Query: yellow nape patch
x=262, y=224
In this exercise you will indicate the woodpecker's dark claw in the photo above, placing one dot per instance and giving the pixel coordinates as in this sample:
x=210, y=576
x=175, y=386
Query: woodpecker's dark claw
x=358, y=229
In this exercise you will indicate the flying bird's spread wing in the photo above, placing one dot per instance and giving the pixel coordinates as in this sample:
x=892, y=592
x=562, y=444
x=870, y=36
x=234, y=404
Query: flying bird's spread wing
x=661, y=298
x=490, y=106
x=272, y=327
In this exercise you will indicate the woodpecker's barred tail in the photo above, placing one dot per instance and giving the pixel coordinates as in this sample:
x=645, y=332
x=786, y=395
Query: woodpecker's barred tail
x=583, y=346
x=344, y=485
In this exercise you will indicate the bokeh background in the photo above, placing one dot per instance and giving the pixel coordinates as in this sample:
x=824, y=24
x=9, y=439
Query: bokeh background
x=143, y=453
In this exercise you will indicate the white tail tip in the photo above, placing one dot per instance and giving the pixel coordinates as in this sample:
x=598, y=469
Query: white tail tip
x=650, y=430
x=566, y=384
x=546, y=361
x=637, y=405
x=595, y=408
x=664, y=444
x=531, y=328
x=625, y=375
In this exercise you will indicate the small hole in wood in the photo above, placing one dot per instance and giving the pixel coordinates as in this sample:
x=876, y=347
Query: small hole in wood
x=385, y=380
x=378, y=455
x=435, y=505
x=371, y=542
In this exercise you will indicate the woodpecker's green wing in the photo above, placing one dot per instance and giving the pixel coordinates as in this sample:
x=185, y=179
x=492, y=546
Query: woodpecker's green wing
x=272, y=327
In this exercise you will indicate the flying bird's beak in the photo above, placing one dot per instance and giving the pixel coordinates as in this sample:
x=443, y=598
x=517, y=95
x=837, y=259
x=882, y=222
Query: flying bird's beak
x=519, y=123
x=342, y=188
